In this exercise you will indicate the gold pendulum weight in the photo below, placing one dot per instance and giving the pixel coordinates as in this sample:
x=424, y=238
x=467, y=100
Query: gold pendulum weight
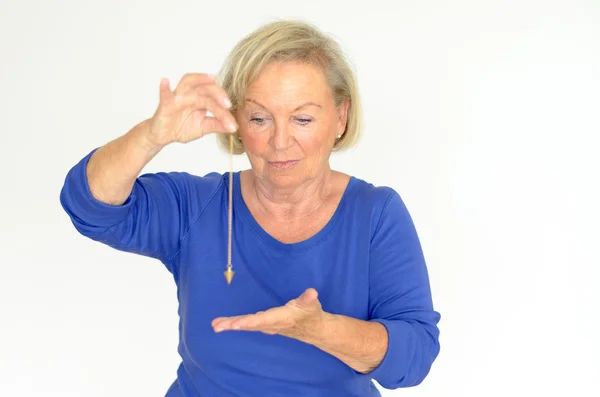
x=229, y=272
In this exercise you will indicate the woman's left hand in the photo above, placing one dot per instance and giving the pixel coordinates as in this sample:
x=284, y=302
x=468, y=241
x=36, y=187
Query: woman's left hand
x=300, y=318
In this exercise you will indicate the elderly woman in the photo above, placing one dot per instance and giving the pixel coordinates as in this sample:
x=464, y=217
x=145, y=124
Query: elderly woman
x=331, y=288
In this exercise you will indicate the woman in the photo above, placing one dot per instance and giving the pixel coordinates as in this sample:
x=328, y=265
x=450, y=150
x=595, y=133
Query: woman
x=331, y=288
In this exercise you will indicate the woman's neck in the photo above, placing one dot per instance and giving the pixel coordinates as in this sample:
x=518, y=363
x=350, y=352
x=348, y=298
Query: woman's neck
x=289, y=204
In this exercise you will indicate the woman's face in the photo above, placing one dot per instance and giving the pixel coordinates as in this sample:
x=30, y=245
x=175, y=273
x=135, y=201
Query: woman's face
x=289, y=124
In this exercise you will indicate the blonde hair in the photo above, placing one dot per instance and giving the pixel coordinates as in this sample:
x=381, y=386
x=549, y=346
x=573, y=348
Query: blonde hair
x=291, y=41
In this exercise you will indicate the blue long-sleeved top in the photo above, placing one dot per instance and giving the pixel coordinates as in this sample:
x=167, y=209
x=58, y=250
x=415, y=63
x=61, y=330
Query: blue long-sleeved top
x=366, y=263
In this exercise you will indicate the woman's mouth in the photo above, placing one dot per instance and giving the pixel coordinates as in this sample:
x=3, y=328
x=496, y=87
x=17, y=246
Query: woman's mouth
x=282, y=165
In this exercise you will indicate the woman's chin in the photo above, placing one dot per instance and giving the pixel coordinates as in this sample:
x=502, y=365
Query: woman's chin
x=287, y=178
x=284, y=180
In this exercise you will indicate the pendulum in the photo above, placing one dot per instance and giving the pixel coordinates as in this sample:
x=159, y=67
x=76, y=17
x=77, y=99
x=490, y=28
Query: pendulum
x=229, y=272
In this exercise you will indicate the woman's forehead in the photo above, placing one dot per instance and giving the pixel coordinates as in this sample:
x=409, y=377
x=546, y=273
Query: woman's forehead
x=288, y=76
x=296, y=105
x=290, y=84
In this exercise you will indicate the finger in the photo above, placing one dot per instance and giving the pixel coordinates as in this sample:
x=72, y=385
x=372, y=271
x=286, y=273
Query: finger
x=222, y=326
x=219, y=320
x=221, y=114
x=212, y=125
x=165, y=90
x=211, y=90
x=246, y=322
x=272, y=318
x=250, y=323
x=193, y=79
x=213, y=99
x=224, y=323
x=308, y=297
x=277, y=315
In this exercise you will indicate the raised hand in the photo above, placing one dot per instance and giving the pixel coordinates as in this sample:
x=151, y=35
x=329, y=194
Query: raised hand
x=181, y=115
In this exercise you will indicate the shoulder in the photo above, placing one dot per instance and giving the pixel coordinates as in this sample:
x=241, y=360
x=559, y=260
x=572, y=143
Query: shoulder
x=377, y=196
x=185, y=181
x=379, y=202
x=184, y=178
x=189, y=191
x=209, y=180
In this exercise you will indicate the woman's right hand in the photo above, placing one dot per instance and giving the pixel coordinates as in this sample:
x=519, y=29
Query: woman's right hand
x=181, y=114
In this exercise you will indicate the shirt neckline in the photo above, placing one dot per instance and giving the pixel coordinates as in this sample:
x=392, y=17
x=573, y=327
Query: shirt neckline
x=272, y=242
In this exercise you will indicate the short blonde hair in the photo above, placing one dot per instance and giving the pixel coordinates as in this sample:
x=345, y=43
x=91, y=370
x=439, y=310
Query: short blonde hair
x=293, y=41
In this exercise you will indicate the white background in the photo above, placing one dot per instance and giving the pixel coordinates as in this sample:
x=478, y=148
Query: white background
x=484, y=115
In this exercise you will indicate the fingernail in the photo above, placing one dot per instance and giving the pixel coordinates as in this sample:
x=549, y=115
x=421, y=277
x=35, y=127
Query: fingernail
x=218, y=329
x=232, y=127
x=227, y=102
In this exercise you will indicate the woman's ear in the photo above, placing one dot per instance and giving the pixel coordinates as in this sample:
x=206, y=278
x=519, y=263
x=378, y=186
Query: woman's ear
x=342, y=110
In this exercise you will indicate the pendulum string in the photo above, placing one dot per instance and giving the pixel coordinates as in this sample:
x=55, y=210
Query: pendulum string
x=229, y=272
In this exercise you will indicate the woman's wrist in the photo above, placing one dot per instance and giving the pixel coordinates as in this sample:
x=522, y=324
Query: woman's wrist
x=141, y=136
x=360, y=344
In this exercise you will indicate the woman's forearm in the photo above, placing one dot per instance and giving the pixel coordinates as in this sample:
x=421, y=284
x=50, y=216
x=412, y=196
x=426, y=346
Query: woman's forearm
x=114, y=167
x=360, y=344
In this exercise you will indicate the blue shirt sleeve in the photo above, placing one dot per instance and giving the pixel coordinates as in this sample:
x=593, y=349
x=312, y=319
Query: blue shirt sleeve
x=153, y=219
x=400, y=299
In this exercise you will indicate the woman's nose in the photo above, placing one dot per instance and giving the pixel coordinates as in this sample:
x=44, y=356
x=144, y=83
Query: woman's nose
x=283, y=135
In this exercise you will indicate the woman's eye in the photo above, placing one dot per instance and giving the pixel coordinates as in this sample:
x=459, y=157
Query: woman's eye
x=304, y=121
x=262, y=120
x=257, y=120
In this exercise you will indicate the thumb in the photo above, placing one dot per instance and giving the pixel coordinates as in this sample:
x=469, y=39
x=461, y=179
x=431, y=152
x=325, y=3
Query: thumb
x=165, y=90
x=308, y=297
